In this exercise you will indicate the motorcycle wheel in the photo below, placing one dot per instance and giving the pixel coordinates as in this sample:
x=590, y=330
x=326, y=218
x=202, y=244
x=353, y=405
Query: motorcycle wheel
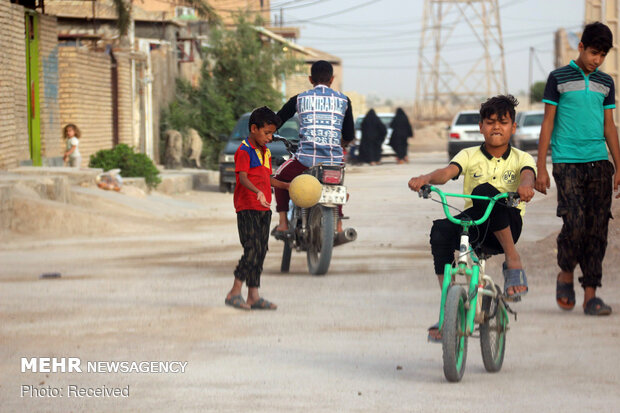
x=321, y=227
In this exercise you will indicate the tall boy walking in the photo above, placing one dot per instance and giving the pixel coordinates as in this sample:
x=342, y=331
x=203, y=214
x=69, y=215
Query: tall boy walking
x=578, y=122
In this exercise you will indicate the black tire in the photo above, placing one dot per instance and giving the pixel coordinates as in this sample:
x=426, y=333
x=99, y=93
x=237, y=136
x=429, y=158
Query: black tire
x=286, y=257
x=321, y=227
x=223, y=187
x=493, y=334
x=454, y=339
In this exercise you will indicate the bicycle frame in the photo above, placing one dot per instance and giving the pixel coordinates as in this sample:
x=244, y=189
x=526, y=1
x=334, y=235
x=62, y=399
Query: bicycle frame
x=463, y=267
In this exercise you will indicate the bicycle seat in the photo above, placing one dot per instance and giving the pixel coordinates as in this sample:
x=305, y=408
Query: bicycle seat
x=486, y=252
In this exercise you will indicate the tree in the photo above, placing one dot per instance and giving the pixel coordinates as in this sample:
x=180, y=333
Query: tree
x=203, y=108
x=536, y=91
x=245, y=68
x=238, y=75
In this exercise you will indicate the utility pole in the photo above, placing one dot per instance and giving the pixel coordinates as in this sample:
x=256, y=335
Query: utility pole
x=441, y=89
x=529, y=79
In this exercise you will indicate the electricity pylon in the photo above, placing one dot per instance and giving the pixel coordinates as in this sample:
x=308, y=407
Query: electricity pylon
x=454, y=71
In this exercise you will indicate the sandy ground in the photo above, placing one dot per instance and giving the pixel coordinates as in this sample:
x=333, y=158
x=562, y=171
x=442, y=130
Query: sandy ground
x=353, y=340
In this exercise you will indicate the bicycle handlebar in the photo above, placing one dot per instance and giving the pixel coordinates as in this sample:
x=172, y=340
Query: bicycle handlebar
x=512, y=199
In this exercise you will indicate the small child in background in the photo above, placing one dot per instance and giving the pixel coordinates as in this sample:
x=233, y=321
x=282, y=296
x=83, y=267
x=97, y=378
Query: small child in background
x=72, y=155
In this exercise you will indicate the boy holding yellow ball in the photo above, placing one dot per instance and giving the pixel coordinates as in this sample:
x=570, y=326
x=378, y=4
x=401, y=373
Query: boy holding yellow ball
x=252, y=200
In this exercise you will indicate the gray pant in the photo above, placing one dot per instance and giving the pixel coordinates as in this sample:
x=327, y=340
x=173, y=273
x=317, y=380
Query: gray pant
x=75, y=161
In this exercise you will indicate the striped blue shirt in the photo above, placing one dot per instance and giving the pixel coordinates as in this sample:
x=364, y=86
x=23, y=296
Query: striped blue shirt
x=578, y=130
x=324, y=116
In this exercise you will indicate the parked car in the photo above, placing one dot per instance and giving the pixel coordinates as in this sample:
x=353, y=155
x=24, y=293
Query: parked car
x=279, y=154
x=528, y=129
x=386, y=149
x=464, y=132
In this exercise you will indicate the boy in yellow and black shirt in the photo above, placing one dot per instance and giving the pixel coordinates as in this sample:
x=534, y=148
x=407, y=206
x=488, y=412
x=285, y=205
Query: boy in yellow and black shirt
x=488, y=170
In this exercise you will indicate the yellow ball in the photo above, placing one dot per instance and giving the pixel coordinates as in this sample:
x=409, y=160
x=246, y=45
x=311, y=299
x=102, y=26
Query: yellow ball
x=305, y=190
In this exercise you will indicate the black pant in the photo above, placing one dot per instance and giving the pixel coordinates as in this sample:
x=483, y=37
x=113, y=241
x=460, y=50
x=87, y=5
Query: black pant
x=254, y=236
x=445, y=235
x=584, y=202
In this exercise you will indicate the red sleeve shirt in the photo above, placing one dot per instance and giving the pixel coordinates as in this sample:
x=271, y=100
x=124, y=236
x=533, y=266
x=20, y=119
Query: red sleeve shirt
x=256, y=162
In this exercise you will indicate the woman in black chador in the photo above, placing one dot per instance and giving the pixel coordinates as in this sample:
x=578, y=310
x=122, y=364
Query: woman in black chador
x=401, y=131
x=373, y=134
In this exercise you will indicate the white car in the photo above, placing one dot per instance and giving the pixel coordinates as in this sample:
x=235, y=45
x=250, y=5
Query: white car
x=464, y=132
x=528, y=129
x=386, y=118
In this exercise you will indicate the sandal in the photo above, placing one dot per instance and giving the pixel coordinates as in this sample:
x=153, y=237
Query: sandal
x=596, y=306
x=514, y=278
x=436, y=338
x=263, y=304
x=236, y=301
x=565, y=291
x=278, y=234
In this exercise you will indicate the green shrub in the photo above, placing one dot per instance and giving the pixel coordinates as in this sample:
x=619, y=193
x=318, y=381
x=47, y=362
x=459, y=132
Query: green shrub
x=130, y=163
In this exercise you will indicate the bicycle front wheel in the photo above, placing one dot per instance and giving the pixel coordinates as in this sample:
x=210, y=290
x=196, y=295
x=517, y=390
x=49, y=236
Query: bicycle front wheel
x=454, y=341
x=493, y=333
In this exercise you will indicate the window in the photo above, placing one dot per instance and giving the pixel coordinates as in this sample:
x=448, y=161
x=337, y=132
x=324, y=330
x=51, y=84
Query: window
x=533, y=120
x=468, y=119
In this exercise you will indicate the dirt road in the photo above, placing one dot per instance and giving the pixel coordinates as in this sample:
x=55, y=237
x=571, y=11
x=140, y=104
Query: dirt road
x=354, y=340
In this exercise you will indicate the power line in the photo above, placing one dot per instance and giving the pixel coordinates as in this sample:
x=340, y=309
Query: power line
x=336, y=13
x=509, y=37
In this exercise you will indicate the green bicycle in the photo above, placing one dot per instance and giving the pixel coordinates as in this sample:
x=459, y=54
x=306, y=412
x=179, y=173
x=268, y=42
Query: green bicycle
x=482, y=303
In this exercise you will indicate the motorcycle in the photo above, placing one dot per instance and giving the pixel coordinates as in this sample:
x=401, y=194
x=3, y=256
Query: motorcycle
x=314, y=229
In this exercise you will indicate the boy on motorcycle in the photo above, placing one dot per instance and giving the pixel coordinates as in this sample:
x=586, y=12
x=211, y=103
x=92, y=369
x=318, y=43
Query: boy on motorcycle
x=326, y=127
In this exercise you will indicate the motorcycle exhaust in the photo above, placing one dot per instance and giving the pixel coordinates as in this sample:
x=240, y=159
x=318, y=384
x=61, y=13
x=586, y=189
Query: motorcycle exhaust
x=348, y=235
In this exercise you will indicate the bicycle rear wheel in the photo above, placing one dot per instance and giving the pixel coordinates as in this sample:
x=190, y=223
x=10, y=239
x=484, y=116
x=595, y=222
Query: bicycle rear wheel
x=454, y=342
x=493, y=333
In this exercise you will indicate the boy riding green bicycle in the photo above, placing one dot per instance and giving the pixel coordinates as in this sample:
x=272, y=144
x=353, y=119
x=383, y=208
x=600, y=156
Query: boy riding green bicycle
x=488, y=170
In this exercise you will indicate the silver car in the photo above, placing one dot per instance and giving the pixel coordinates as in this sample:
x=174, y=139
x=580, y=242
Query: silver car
x=528, y=129
x=386, y=119
x=464, y=132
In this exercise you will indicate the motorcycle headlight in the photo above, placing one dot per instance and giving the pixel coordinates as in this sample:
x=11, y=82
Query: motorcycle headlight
x=286, y=157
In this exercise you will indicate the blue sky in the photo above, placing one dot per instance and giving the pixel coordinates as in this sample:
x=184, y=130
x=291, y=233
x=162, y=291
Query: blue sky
x=378, y=40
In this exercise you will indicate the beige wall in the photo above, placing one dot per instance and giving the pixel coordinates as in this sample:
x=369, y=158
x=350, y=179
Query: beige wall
x=358, y=102
x=51, y=144
x=14, y=145
x=86, y=97
x=299, y=82
x=13, y=90
x=222, y=7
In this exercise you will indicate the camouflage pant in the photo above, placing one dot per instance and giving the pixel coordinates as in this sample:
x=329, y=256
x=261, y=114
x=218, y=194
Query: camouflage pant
x=254, y=236
x=584, y=204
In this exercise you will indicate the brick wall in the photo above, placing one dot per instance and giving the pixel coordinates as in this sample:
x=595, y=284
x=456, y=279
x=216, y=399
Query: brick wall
x=13, y=89
x=85, y=97
x=51, y=137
